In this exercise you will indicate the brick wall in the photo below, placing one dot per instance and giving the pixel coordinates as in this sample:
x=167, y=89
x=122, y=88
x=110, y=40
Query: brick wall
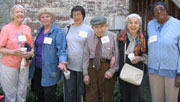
x=4, y=11
x=114, y=10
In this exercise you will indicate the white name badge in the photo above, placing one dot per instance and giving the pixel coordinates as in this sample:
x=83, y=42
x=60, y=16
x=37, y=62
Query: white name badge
x=105, y=39
x=47, y=40
x=83, y=34
x=153, y=39
x=22, y=38
x=131, y=56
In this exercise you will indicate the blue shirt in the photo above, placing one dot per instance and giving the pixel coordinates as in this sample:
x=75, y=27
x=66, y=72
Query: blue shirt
x=164, y=52
x=38, y=45
x=52, y=54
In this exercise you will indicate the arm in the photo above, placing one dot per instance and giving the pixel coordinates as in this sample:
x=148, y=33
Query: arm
x=115, y=59
x=85, y=64
x=4, y=36
x=142, y=49
x=61, y=47
x=178, y=68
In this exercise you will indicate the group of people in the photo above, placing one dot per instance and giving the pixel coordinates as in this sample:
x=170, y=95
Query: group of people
x=94, y=57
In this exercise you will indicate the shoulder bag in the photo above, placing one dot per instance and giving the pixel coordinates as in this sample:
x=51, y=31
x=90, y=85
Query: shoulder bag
x=130, y=73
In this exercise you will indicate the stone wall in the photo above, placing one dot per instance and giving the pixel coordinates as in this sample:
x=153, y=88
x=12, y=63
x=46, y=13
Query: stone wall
x=114, y=10
x=4, y=11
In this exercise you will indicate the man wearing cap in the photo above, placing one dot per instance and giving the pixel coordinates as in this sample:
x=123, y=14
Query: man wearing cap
x=100, y=62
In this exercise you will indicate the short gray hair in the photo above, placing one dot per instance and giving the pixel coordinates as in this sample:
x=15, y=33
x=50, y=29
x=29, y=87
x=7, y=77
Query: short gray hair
x=133, y=15
x=13, y=8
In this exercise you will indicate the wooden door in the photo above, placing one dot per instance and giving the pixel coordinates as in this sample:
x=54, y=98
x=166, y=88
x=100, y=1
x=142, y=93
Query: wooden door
x=144, y=9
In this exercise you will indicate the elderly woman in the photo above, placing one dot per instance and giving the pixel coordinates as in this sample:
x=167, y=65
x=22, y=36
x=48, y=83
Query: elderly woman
x=164, y=54
x=50, y=53
x=14, y=37
x=76, y=34
x=133, y=40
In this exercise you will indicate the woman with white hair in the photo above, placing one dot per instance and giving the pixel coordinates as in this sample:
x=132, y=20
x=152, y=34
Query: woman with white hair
x=131, y=43
x=50, y=53
x=14, y=37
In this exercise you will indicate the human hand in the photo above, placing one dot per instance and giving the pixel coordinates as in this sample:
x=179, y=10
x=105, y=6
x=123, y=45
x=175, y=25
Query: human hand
x=19, y=52
x=136, y=59
x=87, y=80
x=27, y=55
x=62, y=66
x=108, y=75
x=177, y=81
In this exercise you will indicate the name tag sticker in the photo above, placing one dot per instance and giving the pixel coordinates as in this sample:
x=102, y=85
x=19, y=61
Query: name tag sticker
x=22, y=38
x=47, y=40
x=83, y=34
x=131, y=56
x=105, y=39
x=153, y=39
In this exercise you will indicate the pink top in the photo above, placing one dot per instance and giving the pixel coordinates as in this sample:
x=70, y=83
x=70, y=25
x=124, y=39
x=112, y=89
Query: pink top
x=9, y=40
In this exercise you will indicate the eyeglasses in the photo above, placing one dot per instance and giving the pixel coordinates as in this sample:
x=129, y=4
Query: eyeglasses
x=78, y=15
x=159, y=9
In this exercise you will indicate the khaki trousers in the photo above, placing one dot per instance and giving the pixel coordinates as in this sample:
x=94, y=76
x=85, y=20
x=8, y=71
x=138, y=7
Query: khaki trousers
x=163, y=88
x=99, y=86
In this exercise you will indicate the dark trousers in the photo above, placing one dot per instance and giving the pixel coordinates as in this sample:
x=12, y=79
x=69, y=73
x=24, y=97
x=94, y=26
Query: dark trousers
x=74, y=87
x=129, y=92
x=43, y=94
x=99, y=86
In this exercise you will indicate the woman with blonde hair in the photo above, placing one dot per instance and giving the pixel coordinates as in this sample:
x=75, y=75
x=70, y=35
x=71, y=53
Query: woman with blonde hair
x=15, y=39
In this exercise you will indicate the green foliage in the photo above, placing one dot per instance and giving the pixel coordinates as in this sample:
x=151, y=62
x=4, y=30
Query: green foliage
x=117, y=95
x=146, y=96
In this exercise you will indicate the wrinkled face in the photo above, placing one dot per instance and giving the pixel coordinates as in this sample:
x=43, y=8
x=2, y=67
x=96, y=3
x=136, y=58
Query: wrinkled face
x=160, y=13
x=77, y=17
x=133, y=25
x=99, y=29
x=18, y=15
x=46, y=19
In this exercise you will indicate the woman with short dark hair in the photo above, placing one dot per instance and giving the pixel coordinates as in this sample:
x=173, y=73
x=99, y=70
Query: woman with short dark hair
x=76, y=34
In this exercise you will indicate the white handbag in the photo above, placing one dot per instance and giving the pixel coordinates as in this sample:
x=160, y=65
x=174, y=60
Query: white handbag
x=130, y=73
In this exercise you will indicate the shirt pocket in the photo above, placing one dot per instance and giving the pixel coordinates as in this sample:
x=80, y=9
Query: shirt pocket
x=107, y=50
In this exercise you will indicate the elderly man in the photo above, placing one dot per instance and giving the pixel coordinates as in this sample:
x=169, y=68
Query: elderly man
x=100, y=62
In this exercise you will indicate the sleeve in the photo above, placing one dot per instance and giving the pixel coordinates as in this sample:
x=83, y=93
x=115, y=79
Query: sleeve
x=86, y=57
x=4, y=37
x=31, y=38
x=61, y=45
x=178, y=69
x=116, y=54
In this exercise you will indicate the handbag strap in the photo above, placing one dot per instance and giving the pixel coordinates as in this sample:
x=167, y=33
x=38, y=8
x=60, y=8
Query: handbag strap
x=124, y=52
x=68, y=29
x=125, y=55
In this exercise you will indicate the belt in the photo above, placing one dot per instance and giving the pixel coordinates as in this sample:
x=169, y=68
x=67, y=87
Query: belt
x=103, y=60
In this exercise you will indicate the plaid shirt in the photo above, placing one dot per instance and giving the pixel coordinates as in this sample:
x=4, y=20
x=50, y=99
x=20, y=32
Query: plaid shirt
x=140, y=42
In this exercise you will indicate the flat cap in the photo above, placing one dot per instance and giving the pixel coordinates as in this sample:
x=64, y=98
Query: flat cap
x=98, y=20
